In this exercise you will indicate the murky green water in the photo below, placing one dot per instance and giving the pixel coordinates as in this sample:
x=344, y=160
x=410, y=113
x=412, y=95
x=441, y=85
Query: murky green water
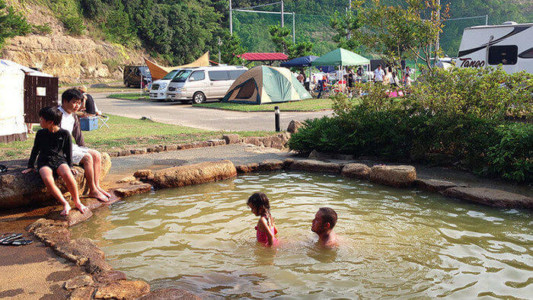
x=395, y=243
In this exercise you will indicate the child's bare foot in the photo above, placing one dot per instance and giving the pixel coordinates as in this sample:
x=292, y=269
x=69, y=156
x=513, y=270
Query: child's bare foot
x=108, y=195
x=66, y=210
x=99, y=196
x=82, y=208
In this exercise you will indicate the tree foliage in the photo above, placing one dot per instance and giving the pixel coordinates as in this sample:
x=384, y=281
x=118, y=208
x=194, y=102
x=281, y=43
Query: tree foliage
x=11, y=23
x=281, y=36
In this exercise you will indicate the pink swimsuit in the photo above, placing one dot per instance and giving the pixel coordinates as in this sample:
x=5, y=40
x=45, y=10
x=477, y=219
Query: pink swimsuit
x=262, y=237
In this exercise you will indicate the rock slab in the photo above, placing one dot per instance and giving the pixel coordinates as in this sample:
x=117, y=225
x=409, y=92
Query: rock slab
x=359, y=171
x=122, y=290
x=491, y=197
x=434, y=185
x=316, y=166
x=194, y=174
x=135, y=189
x=395, y=176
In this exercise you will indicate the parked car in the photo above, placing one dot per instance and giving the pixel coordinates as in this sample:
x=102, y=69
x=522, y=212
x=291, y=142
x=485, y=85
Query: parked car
x=134, y=74
x=158, y=91
x=199, y=84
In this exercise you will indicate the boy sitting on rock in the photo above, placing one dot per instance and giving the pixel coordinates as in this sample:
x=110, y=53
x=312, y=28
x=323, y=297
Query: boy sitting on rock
x=53, y=150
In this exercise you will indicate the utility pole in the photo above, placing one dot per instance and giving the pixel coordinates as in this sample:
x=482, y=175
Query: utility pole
x=219, y=44
x=230, y=19
x=294, y=28
x=282, y=14
x=437, y=44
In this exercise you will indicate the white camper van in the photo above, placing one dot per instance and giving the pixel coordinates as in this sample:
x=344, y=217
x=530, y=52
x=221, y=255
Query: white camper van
x=158, y=92
x=509, y=44
x=199, y=84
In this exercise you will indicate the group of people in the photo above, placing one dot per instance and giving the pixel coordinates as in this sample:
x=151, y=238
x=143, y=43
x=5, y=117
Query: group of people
x=56, y=154
x=323, y=223
x=390, y=77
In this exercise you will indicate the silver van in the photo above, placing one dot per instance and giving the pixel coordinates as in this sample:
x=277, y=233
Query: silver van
x=200, y=84
x=158, y=92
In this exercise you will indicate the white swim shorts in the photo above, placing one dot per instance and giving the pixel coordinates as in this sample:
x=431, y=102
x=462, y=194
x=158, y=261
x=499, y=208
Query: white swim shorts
x=78, y=153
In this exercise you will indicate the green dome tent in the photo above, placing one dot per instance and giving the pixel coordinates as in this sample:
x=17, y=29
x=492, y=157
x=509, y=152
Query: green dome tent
x=264, y=84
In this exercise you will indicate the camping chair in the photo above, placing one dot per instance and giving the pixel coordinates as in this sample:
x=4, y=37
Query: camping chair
x=102, y=119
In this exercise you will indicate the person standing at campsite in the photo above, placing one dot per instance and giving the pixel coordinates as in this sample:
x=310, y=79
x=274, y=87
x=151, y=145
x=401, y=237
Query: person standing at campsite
x=53, y=150
x=379, y=74
x=301, y=78
x=90, y=159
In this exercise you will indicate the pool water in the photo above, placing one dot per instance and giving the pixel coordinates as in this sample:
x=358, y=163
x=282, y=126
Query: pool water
x=394, y=242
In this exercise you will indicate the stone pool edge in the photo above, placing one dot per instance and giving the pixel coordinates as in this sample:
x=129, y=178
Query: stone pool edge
x=104, y=282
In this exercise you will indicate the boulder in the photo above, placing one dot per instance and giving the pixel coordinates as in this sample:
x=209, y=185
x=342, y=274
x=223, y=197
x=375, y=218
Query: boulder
x=216, y=142
x=270, y=165
x=82, y=293
x=109, y=276
x=127, y=179
x=231, y=138
x=247, y=168
x=433, y=185
x=194, y=174
x=170, y=294
x=50, y=232
x=77, y=282
x=287, y=163
x=396, y=176
x=92, y=203
x=316, y=166
x=19, y=190
x=135, y=189
x=252, y=140
x=123, y=289
x=294, y=126
x=84, y=252
x=491, y=197
x=144, y=174
x=171, y=147
x=359, y=171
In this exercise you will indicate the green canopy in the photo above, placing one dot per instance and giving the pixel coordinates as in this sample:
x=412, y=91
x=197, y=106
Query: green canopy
x=340, y=57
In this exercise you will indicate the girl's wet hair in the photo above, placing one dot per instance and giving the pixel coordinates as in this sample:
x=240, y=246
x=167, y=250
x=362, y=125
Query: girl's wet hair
x=259, y=200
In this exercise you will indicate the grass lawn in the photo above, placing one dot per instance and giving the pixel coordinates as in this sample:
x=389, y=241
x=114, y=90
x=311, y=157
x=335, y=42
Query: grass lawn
x=126, y=133
x=304, y=105
x=130, y=96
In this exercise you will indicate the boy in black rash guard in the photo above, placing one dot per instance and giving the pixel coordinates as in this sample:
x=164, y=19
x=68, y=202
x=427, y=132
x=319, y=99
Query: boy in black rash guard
x=53, y=146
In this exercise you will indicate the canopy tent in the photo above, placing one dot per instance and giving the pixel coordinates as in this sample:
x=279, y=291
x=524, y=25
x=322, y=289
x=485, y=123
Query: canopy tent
x=304, y=61
x=159, y=72
x=12, y=126
x=265, y=84
x=269, y=58
x=26, y=70
x=340, y=57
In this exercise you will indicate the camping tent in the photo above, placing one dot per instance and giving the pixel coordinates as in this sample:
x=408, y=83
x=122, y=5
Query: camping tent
x=265, y=84
x=159, y=72
x=340, y=57
x=12, y=127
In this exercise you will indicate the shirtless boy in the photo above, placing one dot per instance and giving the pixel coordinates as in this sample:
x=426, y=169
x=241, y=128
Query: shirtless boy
x=325, y=220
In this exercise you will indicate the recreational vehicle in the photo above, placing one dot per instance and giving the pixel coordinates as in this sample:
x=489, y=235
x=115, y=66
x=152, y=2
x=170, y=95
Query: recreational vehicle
x=158, y=92
x=509, y=45
x=199, y=84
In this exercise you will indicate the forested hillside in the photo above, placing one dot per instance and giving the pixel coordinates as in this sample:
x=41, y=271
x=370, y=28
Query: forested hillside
x=179, y=31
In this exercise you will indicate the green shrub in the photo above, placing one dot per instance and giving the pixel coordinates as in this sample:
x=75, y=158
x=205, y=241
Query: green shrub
x=512, y=157
x=462, y=119
x=41, y=29
x=73, y=24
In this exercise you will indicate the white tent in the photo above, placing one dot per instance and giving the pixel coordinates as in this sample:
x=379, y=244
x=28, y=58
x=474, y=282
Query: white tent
x=12, y=127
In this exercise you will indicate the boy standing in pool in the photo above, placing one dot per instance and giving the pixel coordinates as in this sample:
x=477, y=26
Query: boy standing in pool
x=323, y=223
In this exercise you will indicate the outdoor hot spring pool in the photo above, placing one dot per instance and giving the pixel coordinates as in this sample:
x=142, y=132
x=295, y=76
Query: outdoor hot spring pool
x=395, y=243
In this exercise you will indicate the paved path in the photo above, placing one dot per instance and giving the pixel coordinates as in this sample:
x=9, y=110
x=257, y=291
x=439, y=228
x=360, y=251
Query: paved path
x=210, y=119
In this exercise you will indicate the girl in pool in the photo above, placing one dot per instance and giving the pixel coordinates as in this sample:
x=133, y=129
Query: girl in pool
x=266, y=229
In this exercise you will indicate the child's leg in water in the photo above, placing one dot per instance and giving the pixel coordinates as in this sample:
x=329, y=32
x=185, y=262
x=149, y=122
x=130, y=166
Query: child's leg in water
x=48, y=178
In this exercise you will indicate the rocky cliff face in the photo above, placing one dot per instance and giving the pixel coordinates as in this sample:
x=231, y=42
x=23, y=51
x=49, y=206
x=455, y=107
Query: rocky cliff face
x=72, y=59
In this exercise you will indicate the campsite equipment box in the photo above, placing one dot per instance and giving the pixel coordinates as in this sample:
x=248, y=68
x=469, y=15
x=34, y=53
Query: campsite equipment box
x=89, y=123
